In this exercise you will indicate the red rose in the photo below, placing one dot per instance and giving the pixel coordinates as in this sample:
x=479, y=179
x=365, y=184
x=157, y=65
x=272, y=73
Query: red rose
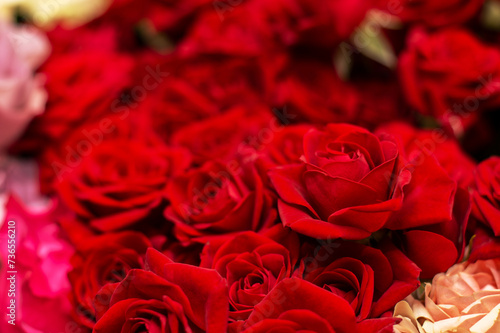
x=313, y=92
x=351, y=184
x=435, y=14
x=484, y=245
x=296, y=305
x=191, y=92
x=435, y=143
x=379, y=102
x=451, y=76
x=283, y=147
x=232, y=29
x=371, y=280
x=226, y=136
x=81, y=88
x=169, y=297
x=99, y=261
x=437, y=247
x=445, y=240
x=486, y=194
x=120, y=181
x=83, y=38
x=217, y=200
x=129, y=17
x=252, y=265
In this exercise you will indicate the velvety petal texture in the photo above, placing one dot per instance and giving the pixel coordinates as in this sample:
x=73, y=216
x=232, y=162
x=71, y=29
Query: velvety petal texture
x=352, y=183
x=169, y=297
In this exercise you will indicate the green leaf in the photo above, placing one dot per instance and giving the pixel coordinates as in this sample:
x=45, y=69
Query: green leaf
x=370, y=40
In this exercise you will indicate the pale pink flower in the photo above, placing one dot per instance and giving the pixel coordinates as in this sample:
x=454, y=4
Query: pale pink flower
x=465, y=299
x=22, y=95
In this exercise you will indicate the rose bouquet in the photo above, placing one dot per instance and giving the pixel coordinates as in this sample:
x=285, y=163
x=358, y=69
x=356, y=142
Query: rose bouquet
x=250, y=166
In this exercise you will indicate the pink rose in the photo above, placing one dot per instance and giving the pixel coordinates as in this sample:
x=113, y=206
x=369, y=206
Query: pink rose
x=22, y=95
x=41, y=262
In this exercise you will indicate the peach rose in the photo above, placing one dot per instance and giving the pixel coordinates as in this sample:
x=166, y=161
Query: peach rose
x=22, y=95
x=465, y=299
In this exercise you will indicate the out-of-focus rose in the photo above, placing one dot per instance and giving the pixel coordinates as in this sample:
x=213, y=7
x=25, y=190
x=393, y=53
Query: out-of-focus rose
x=41, y=261
x=434, y=14
x=313, y=92
x=283, y=147
x=379, y=102
x=350, y=183
x=232, y=28
x=486, y=194
x=227, y=136
x=465, y=299
x=121, y=181
x=149, y=16
x=451, y=76
x=167, y=297
x=22, y=95
x=84, y=38
x=192, y=93
x=253, y=265
x=101, y=260
x=82, y=86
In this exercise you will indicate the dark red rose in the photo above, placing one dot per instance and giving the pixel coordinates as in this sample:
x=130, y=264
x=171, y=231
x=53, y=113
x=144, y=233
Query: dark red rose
x=445, y=240
x=217, y=200
x=295, y=305
x=168, y=297
x=484, y=245
x=231, y=28
x=191, y=92
x=283, y=147
x=119, y=182
x=99, y=261
x=313, y=92
x=189, y=254
x=451, y=76
x=351, y=183
x=81, y=88
x=83, y=38
x=486, y=194
x=138, y=22
x=437, y=143
x=253, y=265
x=226, y=136
x=372, y=280
x=480, y=140
x=434, y=14
x=379, y=102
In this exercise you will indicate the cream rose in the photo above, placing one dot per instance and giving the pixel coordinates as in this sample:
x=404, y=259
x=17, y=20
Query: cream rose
x=465, y=299
x=22, y=93
x=46, y=13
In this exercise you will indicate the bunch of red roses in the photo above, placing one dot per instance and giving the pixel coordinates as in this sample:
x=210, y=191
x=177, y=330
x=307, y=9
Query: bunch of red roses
x=268, y=166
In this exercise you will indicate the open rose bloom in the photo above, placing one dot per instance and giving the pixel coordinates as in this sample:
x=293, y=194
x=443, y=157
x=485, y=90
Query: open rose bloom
x=464, y=299
x=250, y=166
